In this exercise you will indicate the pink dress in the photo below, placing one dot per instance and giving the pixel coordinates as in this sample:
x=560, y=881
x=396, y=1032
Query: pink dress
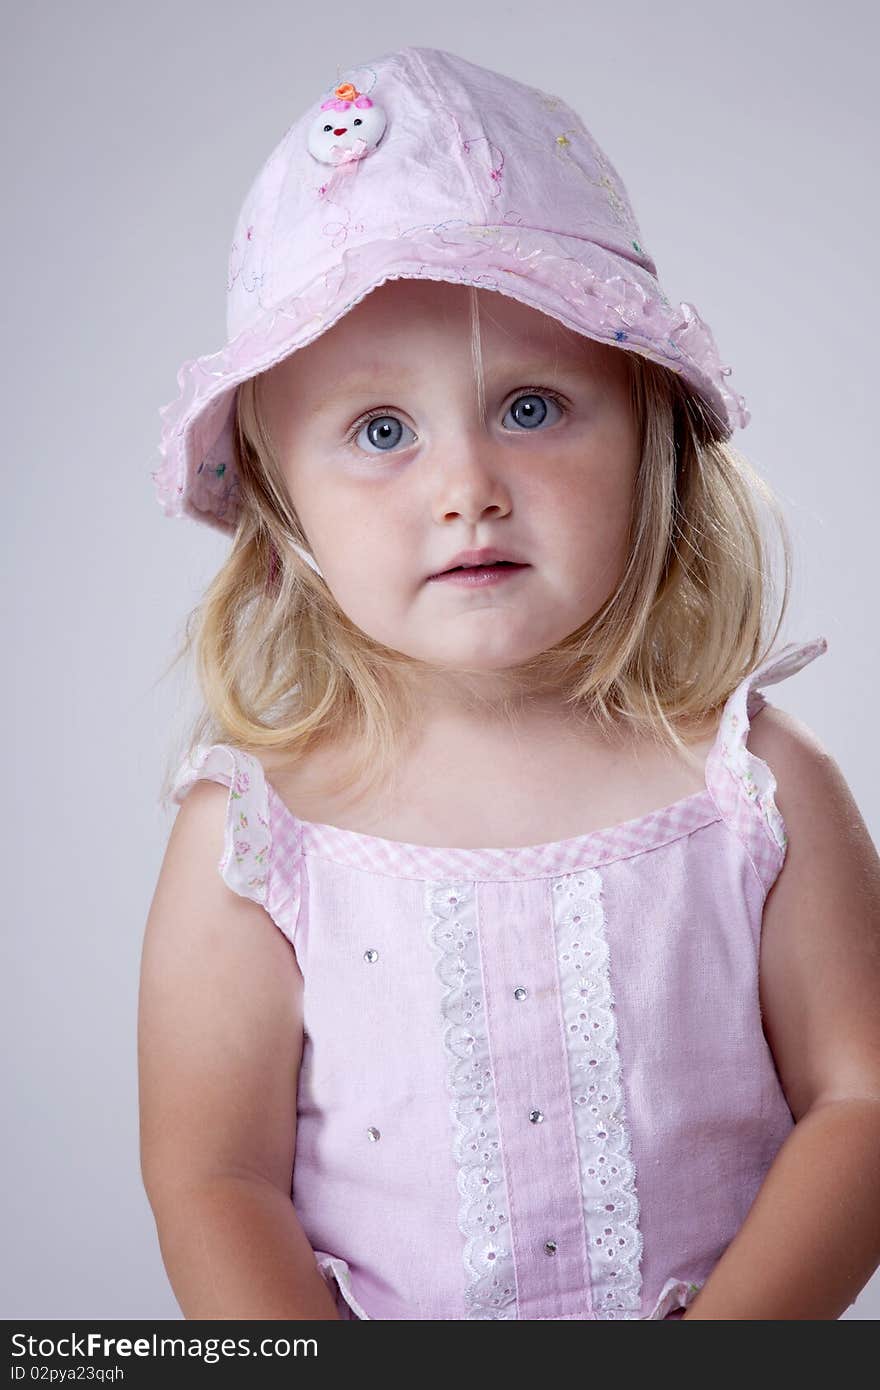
x=534, y=1081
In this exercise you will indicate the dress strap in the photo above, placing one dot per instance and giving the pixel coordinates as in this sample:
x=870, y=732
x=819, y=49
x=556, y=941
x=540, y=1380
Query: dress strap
x=742, y=784
x=255, y=823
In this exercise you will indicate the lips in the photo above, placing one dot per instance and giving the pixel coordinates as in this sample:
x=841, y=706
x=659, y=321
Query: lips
x=496, y=564
x=484, y=558
x=478, y=576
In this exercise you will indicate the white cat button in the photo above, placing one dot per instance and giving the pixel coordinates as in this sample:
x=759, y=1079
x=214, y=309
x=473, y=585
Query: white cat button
x=347, y=126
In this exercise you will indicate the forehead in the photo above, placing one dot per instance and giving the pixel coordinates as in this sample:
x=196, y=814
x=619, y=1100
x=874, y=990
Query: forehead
x=404, y=323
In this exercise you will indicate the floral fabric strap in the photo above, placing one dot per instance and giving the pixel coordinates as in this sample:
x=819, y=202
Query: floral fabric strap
x=742, y=783
x=246, y=862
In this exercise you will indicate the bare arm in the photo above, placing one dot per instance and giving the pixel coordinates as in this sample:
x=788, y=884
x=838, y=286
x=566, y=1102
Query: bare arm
x=219, y=1047
x=811, y=1240
x=234, y=1248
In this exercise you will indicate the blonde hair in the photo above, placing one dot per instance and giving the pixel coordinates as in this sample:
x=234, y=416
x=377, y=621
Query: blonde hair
x=281, y=668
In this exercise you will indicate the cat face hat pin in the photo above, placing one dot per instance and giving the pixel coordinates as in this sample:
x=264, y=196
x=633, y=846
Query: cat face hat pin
x=346, y=127
x=422, y=164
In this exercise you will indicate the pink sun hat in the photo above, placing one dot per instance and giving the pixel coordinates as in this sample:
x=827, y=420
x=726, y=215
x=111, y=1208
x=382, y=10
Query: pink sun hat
x=423, y=165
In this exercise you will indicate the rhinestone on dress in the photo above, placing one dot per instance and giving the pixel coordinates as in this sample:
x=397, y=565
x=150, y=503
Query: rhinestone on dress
x=371, y=955
x=519, y=992
x=549, y=1247
x=536, y=1116
x=374, y=1133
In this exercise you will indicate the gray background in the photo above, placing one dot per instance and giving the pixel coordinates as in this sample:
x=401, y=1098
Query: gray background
x=747, y=139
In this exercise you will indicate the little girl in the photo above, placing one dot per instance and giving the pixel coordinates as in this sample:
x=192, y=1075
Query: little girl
x=511, y=957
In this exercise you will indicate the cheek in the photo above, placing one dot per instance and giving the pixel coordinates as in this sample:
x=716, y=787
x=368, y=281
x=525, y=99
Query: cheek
x=363, y=550
x=588, y=509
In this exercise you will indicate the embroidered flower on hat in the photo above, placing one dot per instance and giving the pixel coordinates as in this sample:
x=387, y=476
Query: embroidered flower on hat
x=239, y=267
x=347, y=126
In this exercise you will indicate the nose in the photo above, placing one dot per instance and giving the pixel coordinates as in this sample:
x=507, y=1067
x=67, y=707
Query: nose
x=341, y=130
x=469, y=484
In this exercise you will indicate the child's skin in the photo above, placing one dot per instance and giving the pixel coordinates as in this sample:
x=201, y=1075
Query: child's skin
x=559, y=496
x=379, y=519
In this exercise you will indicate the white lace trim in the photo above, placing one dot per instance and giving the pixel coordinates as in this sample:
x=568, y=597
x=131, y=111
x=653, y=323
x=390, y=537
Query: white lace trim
x=753, y=774
x=336, y=1271
x=758, y=782
x=611, y=1207
x=674, y=1295
x=482, y=1217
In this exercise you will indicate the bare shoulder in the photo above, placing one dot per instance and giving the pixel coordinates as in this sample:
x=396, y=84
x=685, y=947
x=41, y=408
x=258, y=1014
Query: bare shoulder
x=294, y=774
x=315, y=785
x=776, y=733
x=219, y=1018
x=820, y=941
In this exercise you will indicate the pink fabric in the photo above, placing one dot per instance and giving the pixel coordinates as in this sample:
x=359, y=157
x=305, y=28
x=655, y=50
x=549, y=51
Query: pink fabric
x=585, y=1147
x=476, y=179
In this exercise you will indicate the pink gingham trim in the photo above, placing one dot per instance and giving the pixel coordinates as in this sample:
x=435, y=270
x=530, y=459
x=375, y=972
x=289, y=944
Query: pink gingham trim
x=402, y=860
x=739, y=790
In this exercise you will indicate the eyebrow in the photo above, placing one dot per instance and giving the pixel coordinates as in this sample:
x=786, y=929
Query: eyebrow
x=367, y=381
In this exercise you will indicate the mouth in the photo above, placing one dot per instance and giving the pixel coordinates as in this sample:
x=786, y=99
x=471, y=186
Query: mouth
x=479, y=575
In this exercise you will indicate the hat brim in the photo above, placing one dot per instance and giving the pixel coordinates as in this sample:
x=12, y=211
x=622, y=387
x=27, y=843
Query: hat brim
x=586, y=287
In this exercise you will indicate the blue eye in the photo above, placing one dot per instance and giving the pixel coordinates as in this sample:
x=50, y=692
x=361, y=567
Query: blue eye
x=533, y=411
x=384, y=430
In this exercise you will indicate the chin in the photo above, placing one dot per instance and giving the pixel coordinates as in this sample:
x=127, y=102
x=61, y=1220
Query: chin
x=479, y=661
